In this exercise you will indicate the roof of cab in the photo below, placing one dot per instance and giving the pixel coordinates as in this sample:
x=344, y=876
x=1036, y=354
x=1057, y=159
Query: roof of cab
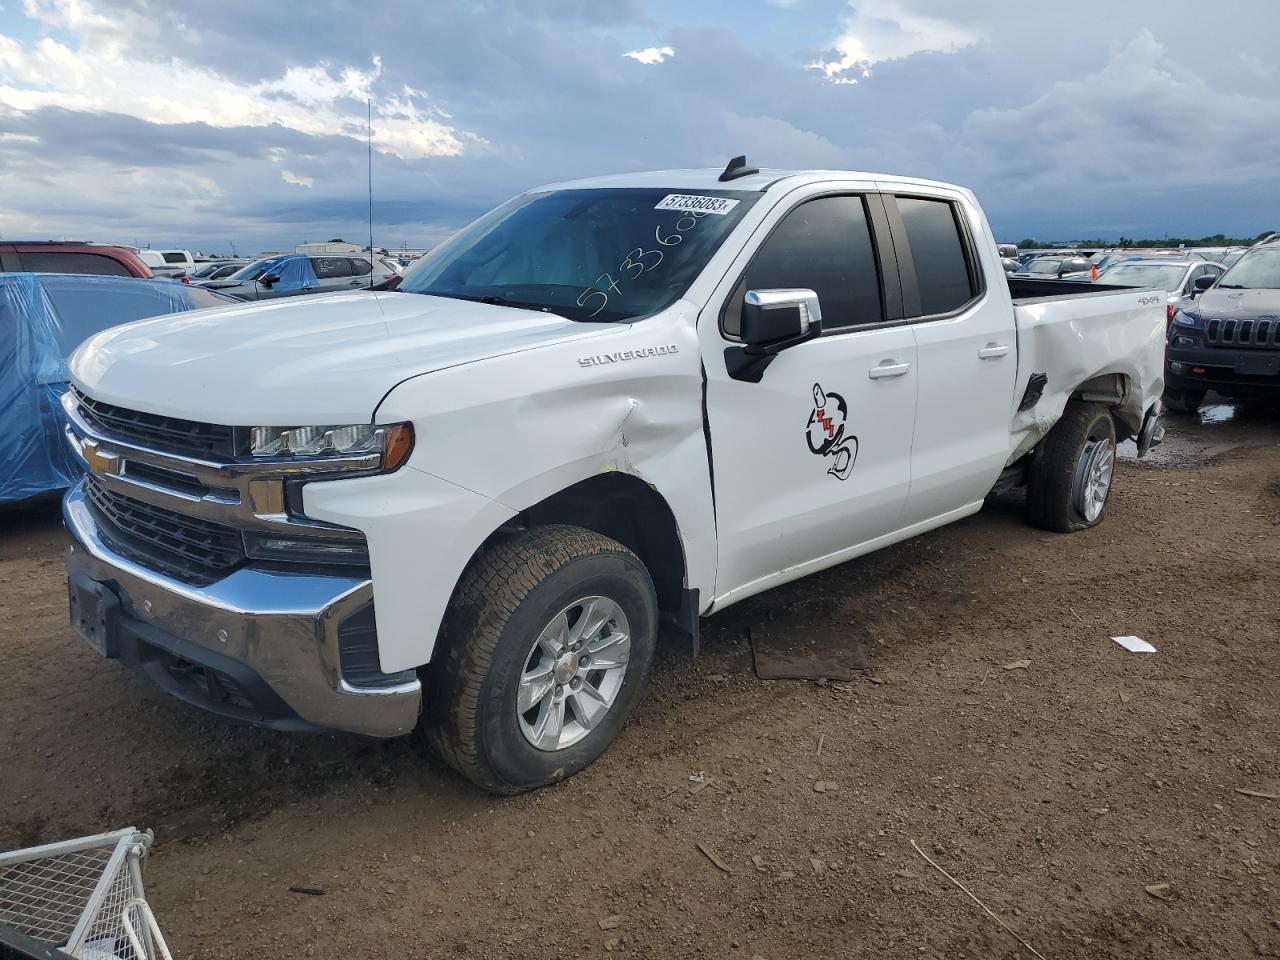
x=708, y=178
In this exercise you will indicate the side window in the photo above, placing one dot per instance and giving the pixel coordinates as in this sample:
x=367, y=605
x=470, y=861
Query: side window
x=329, y=267
x=938, y=249
x=73, y=263
x=174, y=258
x=823, y=245
x=361, y=268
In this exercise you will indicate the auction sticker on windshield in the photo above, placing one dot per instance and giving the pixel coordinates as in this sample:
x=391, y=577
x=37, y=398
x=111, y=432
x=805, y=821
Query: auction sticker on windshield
x=684, y=201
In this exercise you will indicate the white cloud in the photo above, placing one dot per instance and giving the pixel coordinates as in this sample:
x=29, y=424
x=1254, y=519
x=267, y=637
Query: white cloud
x=96, y=75
x=288, y=176
x=880, y=30
x=651, y=55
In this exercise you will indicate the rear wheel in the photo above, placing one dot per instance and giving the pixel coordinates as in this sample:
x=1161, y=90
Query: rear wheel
x=1071, y=471
x=543, y=654
x=1183, y=401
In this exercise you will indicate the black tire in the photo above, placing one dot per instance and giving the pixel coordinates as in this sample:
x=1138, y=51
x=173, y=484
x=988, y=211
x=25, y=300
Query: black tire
x=503, y=602
x=1052, y=478
x=1183, y=401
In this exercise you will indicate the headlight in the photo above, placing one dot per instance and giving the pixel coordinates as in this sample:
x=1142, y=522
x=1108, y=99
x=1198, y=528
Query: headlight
x=1187, y=320
x=392, y=441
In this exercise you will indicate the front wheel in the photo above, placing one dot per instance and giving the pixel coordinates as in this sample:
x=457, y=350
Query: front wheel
x=1071, y=470
x=543, y=654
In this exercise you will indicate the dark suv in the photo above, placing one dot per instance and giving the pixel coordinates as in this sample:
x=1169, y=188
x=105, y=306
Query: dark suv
x=63, y=257
x=1228, y=340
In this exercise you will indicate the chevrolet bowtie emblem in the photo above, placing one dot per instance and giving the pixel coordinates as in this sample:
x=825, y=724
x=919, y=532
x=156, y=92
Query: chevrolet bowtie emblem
x=102, y=464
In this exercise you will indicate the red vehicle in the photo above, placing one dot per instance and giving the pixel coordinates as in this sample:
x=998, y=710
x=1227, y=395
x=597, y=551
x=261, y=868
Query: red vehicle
x=73, y=257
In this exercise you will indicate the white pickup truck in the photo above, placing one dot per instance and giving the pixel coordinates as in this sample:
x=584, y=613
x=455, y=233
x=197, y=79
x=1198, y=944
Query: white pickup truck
x=467, y=505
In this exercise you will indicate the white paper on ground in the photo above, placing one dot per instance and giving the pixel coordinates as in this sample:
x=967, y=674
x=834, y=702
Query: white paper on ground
x=1135, y=644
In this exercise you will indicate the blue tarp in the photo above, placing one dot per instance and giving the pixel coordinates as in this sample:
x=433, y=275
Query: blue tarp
x=293, y=269
x=43, y=318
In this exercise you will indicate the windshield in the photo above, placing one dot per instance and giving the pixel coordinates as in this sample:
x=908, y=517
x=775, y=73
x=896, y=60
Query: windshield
x=603, y=255
x=1162, y=276
x=253, y=271
x=1042, y=266
x=1257, y=270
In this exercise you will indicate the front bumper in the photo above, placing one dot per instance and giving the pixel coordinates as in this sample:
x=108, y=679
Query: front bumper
x=260, y=645
x=1197, y=366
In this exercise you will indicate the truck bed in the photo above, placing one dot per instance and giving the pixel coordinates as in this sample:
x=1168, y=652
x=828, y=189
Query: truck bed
x=1028, y=289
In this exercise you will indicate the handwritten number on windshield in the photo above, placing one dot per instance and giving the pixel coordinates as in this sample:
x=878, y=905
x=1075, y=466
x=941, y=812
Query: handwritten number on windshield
x=636, y=259
x=587, y=294
x=636, y=264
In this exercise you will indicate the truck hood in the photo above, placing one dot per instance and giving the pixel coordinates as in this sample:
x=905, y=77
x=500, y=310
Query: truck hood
x=302, y=360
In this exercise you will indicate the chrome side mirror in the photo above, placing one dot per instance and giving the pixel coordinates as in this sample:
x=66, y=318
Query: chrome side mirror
x=778, y=318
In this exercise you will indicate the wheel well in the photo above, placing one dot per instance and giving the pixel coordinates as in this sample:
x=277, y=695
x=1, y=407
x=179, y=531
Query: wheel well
x=1111, y=389
x=630, y=511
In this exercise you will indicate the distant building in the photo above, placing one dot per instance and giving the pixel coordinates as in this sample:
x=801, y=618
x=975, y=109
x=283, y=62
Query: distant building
x=330, y=246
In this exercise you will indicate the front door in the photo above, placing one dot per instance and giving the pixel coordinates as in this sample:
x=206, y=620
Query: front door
x=814, y=459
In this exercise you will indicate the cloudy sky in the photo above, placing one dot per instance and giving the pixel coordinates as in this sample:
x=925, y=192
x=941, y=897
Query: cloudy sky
x=198, y=124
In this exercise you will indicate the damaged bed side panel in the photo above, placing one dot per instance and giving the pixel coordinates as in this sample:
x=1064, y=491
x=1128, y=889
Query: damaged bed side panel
x=1101, y=347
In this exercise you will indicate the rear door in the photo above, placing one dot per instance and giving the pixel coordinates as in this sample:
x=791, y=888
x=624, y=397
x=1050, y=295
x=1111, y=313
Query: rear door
x=812, y=460
x=967, y=352
x=333, y=273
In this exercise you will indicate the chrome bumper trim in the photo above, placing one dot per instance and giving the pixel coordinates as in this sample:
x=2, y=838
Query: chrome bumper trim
x=280, y=624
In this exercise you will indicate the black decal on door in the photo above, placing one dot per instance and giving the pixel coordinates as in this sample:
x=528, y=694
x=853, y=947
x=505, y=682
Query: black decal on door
x=826, y=434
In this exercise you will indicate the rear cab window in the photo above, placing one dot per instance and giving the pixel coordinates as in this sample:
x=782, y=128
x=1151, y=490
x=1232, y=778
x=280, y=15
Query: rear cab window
x=946, y=269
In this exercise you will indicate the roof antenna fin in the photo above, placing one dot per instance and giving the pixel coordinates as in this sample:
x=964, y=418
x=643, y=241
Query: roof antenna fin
x=737, y=168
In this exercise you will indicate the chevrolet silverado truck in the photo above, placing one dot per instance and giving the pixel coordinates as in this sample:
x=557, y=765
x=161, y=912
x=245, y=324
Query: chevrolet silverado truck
x=467, y=506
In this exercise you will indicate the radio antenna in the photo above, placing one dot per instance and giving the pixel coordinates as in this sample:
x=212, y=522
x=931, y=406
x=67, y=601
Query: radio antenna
x=369, y=138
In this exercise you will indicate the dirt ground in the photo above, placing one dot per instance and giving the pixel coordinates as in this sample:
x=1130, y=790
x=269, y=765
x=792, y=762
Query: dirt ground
x=1058, y=790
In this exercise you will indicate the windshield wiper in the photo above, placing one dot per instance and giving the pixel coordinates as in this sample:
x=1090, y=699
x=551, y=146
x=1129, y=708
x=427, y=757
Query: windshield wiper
x=1232, y=286
x=492, y=300
x=518, y=304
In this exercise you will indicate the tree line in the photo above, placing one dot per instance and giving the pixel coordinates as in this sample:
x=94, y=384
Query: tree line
x=1217, y=240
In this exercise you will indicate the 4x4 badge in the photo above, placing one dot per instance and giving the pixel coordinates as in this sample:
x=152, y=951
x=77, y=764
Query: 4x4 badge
x=826, y=434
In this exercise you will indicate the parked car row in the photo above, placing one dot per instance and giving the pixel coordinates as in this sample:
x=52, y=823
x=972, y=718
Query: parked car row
x=296, y=274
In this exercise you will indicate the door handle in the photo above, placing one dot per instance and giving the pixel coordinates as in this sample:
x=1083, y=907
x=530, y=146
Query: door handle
x=356, y=283
x=993, y=351
x=888, y=368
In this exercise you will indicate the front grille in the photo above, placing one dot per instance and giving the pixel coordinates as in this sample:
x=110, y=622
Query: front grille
x=186, y=547
x=1264, y=334
x=171, y=434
